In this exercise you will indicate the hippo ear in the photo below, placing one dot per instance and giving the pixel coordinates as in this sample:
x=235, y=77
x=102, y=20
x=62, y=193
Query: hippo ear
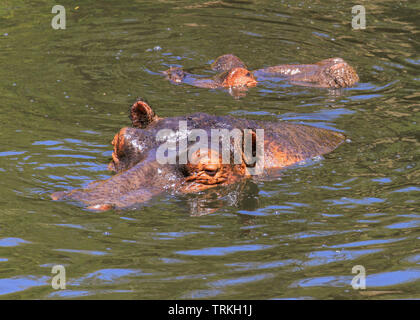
x=141, y=114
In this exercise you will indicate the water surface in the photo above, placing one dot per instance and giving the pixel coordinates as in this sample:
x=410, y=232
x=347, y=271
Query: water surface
x=65, y=93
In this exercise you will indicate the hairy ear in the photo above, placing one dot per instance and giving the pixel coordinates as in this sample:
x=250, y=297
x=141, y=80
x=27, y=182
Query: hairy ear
x=141, y=114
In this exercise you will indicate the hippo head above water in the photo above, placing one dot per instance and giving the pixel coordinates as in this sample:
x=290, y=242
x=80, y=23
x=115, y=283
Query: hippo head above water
x=182, y=155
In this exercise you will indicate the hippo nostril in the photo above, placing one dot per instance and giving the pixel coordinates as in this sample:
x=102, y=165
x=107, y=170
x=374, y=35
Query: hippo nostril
x=211, y=173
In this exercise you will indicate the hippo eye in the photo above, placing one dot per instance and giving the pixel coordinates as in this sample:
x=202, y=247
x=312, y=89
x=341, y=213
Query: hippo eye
x=248, y=74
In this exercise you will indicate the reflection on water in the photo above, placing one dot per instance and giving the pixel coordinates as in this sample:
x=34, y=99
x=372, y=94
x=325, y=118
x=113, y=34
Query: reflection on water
x=295, y=236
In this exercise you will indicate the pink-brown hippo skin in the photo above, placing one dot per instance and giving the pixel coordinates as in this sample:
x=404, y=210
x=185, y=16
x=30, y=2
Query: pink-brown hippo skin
x=140, y=176
x=328, y=73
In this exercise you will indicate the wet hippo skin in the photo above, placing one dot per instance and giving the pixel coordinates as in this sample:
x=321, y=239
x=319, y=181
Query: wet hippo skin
x=140, y=176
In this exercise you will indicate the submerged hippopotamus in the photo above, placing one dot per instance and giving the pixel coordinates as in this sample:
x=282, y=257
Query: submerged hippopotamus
x=141, y=173
x=328, y=73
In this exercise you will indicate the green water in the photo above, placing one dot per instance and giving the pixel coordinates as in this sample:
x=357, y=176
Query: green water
x=65, y=93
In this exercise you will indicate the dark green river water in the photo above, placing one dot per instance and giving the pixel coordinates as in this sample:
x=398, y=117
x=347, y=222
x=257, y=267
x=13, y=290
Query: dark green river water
x=65, y=93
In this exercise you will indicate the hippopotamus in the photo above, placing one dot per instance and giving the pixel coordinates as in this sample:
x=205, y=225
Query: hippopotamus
x=141, y=173
x=233, y=73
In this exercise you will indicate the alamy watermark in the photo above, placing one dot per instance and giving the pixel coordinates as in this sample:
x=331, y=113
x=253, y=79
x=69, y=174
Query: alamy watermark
x=59, y=280
x=59, y=20
x=247, y=147
x=359, y=18
x=359, y=280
